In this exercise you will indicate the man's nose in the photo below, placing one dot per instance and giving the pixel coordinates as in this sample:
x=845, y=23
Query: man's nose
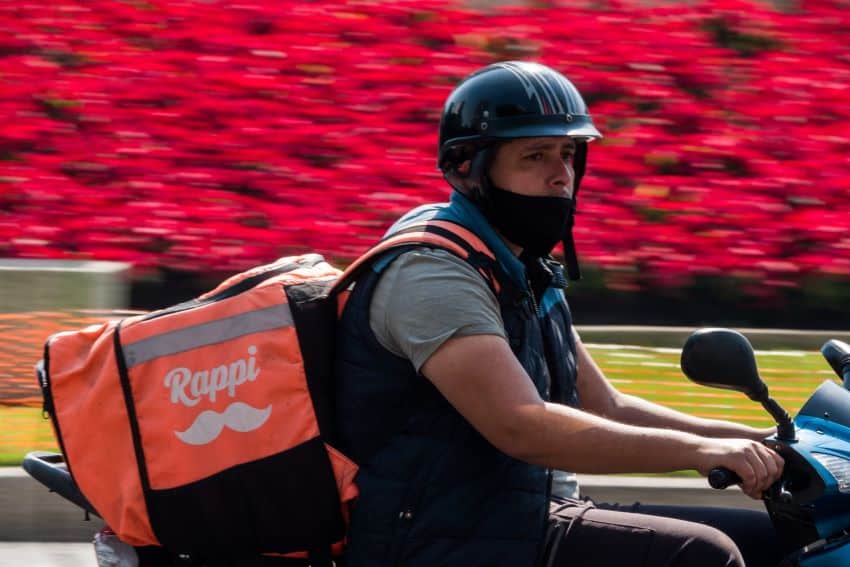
x=561, y=179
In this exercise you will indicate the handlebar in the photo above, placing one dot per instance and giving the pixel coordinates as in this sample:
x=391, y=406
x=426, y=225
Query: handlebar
x=721, y=478
x=837, y=354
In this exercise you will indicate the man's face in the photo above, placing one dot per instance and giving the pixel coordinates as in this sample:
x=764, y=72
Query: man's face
x=537, y=167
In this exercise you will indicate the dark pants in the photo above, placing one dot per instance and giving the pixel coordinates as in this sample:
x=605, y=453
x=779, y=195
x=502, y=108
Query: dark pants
x=600, y=535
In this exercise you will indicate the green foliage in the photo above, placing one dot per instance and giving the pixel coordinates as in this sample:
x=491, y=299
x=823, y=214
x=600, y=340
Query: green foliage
x=747, y=44
x=653, y=215
x=67, y=59
x=58, y=109
x=23, y=430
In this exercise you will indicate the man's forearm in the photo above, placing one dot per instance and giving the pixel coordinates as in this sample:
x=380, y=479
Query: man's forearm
x=568, y=439
x=637, y=411
x=565, y=438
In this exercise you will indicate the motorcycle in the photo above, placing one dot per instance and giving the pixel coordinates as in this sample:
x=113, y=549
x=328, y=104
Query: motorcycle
x=809, y=505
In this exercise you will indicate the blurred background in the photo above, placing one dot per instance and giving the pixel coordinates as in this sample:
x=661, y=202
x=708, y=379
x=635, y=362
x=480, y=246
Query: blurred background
x=192, y=139
x=151, y=148
x=186, y=140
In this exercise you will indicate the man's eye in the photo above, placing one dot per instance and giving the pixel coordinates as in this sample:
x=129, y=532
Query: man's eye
x=536, y=156
x=568, y=156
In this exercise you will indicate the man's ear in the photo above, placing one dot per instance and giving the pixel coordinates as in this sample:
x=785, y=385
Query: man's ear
x=458, y=177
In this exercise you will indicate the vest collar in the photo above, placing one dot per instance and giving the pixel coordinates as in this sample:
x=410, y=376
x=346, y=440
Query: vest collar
x=460, y=209
x=469, y=215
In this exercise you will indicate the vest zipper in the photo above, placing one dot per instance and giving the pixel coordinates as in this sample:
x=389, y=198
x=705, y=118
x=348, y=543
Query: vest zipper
x=552, y=552
x=529, y=302
x=545, y=519
x=546, y=511
x=533, y=301
x=237, y=288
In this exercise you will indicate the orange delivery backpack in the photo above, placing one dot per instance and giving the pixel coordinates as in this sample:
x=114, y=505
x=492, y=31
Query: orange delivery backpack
x=207, y=427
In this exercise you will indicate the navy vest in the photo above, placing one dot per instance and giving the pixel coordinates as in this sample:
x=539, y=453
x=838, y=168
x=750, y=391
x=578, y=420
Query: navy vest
x=433, y=491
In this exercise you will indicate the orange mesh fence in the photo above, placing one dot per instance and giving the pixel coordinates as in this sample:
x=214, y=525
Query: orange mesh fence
x=22, y=337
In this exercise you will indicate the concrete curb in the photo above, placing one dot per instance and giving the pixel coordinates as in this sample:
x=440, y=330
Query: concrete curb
x=45, y=285
x=674, y=337
x=32, y=514
x=663, y=490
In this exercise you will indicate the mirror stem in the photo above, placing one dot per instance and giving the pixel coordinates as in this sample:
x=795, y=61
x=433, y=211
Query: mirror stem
x=784, y=424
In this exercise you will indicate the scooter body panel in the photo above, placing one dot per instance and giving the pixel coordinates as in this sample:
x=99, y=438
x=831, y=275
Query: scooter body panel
x=823, y=440
x=831, y=555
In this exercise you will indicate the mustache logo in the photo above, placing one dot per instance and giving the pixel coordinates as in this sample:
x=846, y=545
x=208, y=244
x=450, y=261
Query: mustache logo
x=209, y=424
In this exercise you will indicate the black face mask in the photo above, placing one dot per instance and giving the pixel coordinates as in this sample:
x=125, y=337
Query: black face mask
x=536, y=224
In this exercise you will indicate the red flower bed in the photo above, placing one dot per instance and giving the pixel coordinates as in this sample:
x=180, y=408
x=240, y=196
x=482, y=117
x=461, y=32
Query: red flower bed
x=208, y=136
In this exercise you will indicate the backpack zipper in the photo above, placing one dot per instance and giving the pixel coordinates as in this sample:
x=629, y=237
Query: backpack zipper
x=236, y=289
x=47, y=408
x=46, y=394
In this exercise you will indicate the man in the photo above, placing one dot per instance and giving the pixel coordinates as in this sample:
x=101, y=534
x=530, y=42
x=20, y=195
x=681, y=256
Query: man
x=457, y=397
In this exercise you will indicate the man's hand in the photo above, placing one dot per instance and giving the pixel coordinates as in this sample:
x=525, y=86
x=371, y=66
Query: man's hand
x=758, y=466
x=760, y=434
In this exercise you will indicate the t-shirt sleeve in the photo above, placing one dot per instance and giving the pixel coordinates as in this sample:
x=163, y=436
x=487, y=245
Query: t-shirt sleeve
x=427, y=296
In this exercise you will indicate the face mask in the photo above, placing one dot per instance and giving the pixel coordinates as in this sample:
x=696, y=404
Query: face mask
x=536, y=224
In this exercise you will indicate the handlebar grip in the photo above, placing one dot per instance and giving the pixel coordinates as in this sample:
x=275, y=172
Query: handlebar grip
x=721, y=478
x=837, y=354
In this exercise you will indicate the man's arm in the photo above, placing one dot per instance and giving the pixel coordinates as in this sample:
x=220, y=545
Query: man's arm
x=482, y=379
x=599, y=396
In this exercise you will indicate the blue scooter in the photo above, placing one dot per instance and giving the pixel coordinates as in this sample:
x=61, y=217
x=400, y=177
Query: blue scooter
x=810, y=504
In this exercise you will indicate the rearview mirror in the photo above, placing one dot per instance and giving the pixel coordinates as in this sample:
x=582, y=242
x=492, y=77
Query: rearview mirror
x=723, y=358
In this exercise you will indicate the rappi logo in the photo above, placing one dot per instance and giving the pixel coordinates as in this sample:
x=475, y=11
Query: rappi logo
x=189, y=388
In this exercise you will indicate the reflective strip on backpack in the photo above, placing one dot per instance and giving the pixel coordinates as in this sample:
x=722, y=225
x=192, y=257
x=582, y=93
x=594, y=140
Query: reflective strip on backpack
x=196, y=336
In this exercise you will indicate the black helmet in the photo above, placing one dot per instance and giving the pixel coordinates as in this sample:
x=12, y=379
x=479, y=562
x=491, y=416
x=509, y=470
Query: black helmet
x=505, y=101
x=514, y=99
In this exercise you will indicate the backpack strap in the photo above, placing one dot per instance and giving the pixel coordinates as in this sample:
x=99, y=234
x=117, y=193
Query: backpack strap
x=446, y=235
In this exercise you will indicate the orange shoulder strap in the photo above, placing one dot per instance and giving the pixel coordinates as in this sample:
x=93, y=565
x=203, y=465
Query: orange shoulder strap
x=446, y=235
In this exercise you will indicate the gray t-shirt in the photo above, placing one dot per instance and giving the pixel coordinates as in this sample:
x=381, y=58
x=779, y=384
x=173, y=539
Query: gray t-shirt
x=427, y=296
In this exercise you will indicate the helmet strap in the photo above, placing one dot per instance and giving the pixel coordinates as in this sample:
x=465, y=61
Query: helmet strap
x=478, y=175
x=477, y=186
x=579, y=162
x=570, y=255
